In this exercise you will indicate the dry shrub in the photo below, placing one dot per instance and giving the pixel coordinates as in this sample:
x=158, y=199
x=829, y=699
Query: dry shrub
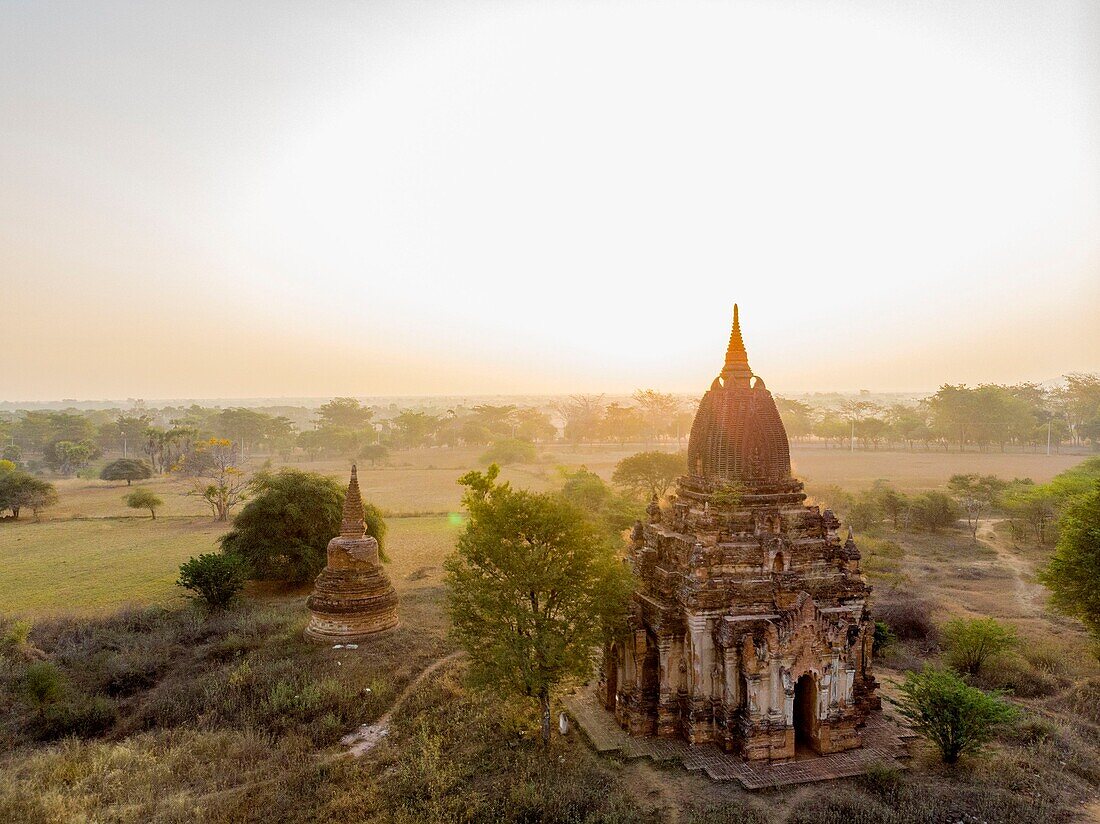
x=457, y=755
x=909, y=616
x=1015, y=675
x=922, y=801
x=1082, y=700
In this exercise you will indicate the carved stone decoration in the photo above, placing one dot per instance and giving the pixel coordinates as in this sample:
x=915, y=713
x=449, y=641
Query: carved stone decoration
x=761, y=604
x=352, y=598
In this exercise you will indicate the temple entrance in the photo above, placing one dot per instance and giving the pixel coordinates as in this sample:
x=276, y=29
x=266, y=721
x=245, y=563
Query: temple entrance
x=805, y=714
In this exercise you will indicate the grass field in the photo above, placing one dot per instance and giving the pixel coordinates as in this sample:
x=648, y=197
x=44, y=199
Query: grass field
x=234, y=717
x=91, y=553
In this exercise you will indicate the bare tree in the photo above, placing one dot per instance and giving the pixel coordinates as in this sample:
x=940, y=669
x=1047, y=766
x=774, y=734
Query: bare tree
x=214, y=467
x=582, y=415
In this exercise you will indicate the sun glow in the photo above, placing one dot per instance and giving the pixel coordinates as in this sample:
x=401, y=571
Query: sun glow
x=554, y=197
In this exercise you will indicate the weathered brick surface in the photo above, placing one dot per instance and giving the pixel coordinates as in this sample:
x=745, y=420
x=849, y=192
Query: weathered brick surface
x=352, y=598
x=749, y=625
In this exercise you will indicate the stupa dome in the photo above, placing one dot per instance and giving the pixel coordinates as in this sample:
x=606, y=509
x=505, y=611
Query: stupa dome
x=737, y=436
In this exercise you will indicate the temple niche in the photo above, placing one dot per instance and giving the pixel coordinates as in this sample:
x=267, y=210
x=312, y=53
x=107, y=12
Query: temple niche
x=352, y=598
x=749, y=624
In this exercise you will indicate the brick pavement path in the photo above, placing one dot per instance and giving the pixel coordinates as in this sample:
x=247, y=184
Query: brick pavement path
x=884, y=744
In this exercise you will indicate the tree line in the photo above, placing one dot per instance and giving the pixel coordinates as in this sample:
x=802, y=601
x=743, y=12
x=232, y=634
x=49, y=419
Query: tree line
x=956, y=417
x=985, y=418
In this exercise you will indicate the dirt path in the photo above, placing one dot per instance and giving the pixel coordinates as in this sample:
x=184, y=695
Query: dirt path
x=651, y=784
x=1028, y=594
x=368, y=736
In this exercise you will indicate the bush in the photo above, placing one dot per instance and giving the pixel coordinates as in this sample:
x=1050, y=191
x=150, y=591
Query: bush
x=83, y=717
x=957, y=718
x=126, y=469
x=144, y=499
x=509, y=451
x=908, y=616
x=936, y=510
x=973, y=643
x=215, y=578
x=883, y=637
x=43, y=684
x=17, y=634
x=282, y=534
x=1013, y=674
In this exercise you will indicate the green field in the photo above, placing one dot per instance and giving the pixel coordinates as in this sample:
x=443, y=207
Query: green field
x=91, y=553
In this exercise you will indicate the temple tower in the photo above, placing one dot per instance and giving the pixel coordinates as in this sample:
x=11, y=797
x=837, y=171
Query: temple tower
x=749, y=623
x=352, y=597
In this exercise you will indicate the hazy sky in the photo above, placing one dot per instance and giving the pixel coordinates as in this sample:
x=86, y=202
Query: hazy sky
x=323, y=198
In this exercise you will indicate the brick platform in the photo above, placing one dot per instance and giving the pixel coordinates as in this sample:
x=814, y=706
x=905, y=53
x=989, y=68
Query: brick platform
x=884, y=744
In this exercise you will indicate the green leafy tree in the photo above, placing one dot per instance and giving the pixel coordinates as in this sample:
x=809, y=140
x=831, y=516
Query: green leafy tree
x=126, y=469
x=142, y=498
x=68, y=457
x=497, y=420
x=935, y=511
x=533, y=588
x=864, y=513
x=374, y=452
x=131, y=431
x=606, y=510
x=971, y=644
x=1034, y=505
x=346, y=413
x=622, y=423
x=1073, y=574
x=894, y=504
x=474, y=432
x=214, y=578
x=534, y=425
x=41, y=429
x=797, y=417
x=658, y=411
x=649, y=473
x=957, y=718
x=509, y=451
x=282, y=534
x=413, y=429
x=20, y=490
x=976, y=494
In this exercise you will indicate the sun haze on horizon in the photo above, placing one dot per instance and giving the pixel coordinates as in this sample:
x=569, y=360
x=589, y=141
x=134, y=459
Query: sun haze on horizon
x=204, y=200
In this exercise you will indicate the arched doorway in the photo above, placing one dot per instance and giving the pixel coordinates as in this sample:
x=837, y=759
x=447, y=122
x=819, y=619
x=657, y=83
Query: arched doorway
x=805, y=713
x=777, y=563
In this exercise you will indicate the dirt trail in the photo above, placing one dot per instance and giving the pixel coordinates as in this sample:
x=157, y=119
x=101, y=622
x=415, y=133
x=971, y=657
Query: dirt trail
x=368, y=736
x=650, y=783
x=1028, y=594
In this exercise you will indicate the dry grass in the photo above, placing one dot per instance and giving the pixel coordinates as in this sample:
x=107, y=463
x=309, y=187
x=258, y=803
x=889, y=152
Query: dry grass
x=233, y=717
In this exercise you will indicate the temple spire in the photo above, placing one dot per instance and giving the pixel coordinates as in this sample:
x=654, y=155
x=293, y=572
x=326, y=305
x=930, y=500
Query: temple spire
x=736, y=371
x=353, y=524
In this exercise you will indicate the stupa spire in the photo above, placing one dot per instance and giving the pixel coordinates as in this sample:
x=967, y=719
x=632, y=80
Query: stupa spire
x=352, y=523
x=736, y=371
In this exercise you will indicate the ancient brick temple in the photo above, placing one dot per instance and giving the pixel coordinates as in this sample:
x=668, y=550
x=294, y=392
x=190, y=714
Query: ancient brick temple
x=749, y=625
x=352, y=597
